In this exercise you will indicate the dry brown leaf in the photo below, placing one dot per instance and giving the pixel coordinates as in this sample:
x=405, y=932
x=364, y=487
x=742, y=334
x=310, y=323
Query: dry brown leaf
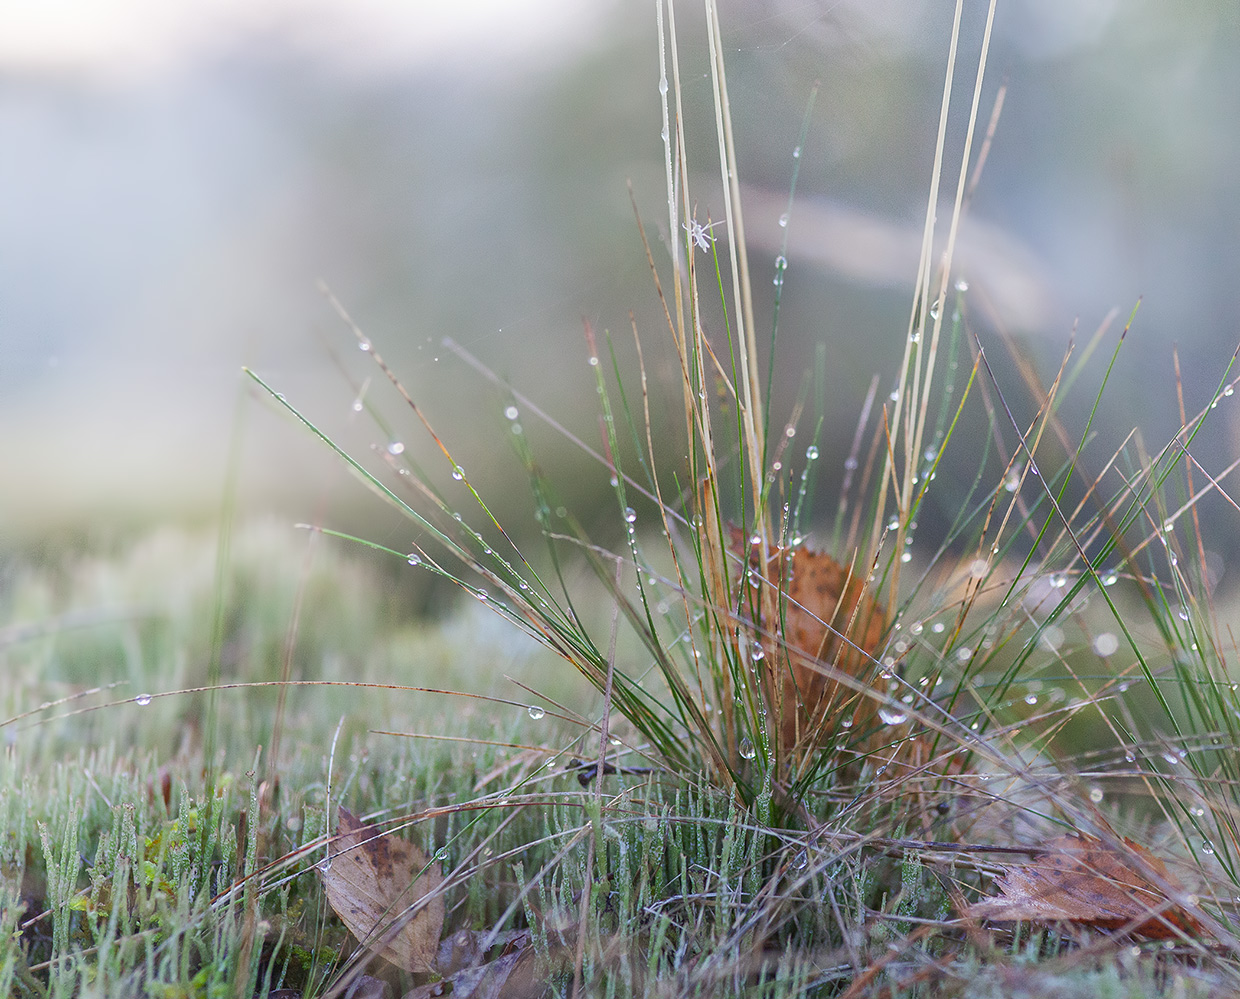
x=1080, y=879
x=822, y=601
x=373, y=879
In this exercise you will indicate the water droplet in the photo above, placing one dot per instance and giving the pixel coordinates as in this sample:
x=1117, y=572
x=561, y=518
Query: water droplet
x=512, y=412
x=1106, y=644
x=537, y=711
x=851, y=463
x=1052, y=638
x=962, y=284
x=325, y=864
x=395, y=448
x=1207, y=847
x=414, y=558
x=663, y=84
x=891, y=715
x=358, y=405
x=746, y=749
x=630, y=515
x=796, y=153
x=1130, y=757
x=1058, y=580
x=894, y=396
x=142, y=700
x=978, y=568
x=1031, y=698
x=458, y=472
x=364, y=345
x=964, y=654
x=481, y=595
x=906, y=557
x=783, y=221
x=1095, y=795
x=915, y=336
x=758, y=652
x=801, y=860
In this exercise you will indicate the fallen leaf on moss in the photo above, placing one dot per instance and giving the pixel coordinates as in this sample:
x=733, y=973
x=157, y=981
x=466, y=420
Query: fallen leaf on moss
x=1081, y=880
x=372, y=881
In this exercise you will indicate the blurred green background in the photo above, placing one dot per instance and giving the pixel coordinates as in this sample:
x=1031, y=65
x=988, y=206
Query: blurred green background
x=178, y=176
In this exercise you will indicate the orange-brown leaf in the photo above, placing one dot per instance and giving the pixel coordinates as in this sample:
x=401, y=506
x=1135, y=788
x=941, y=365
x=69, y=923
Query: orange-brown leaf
x=830, y=622
x=1080, y=879
x=372, y=881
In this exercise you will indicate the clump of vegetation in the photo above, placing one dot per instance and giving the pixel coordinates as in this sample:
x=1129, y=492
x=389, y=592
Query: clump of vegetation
x=835, y=768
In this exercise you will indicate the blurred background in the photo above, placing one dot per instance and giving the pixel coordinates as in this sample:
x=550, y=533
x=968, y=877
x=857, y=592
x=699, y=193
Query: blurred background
x=177, y=178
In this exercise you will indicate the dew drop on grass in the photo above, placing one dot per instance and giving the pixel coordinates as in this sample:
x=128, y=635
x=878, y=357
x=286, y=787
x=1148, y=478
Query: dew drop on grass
x=663, y=84
x=746, y=749
x=593, y=361
x=630, y=515
x=458, y=472
x=1095, y=795
x=783, y=221
x=962, y=284
x=142, y=700
x=537, y=711
x=481, y=595
x=1106, y=644
x=414, y=558
x=364, y=346
x=1130, y=757
x=325, y=864
x=801, y=860
x=811, y=453
x=512, y=412
x=395, y=448
x=1207, y=847
x=358, y=405
x=796, y=153
x=1031, y=699
x=891, y=715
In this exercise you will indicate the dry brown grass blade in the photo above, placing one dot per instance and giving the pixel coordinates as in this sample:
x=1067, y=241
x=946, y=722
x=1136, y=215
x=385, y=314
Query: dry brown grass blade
x=374, y=878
